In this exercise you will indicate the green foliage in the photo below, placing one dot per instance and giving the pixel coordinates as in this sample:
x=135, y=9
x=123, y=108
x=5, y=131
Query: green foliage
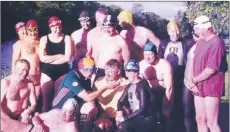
x=217, y=11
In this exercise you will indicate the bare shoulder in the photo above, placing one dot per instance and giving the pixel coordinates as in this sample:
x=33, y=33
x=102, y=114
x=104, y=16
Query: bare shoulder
x=121, y=40
x=43, y=39
x=164, y=63
x=5, y=81
x=76, y=33
x=17, y=44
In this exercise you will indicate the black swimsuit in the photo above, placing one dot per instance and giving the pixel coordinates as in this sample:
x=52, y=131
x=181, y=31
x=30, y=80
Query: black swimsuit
x=54, y=71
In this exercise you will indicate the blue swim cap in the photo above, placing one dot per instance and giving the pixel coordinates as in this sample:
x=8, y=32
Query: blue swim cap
x=132, y=65
x=151, y=47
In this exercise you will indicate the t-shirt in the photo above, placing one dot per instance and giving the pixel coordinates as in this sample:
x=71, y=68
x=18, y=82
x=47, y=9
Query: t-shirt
x=210, y=54
x=76, y=83
x=109, y=99
x=174, y=53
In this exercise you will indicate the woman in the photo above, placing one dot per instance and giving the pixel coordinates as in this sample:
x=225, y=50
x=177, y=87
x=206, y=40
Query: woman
x=55, y=53
x=139, y=117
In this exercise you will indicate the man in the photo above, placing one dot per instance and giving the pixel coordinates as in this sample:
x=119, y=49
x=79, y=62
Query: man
x=96, y=32
x=158, y=73
x=109, y=99
x=139, y=115
x=174, y=50
x=80, y=38
x=18, y=100
x=208, y=70
x=136, y=36
x=58, y=120
x=21, y=30
x=111, y=45
x=77, y=85
x=27, y=48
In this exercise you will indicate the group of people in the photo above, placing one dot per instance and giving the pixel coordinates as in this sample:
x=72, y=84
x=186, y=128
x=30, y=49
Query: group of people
x=98, y=79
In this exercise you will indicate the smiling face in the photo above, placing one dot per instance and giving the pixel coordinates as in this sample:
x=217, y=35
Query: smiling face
x=22, y=32
x=56, y=29
x=85, y=24
x=111, y=73
x=149, y=57
x=22, y=70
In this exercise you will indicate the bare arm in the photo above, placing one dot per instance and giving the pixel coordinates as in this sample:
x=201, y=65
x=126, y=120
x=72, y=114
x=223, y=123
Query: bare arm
x=125, y=52
x=68, y=52
x=153, y=38
x=32, y=99
x=205, y=74
x=4, y=85
x=16, y=54
x=42, y=52
x=168, y=81
x=89, y=45
x=90, y=96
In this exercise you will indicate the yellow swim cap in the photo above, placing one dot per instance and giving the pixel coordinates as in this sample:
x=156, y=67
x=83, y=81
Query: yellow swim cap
x=85, y=63
x=125, y=16
x=172, y=25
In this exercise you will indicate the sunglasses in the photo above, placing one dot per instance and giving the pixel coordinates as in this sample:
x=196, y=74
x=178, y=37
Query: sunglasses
x=32, y=29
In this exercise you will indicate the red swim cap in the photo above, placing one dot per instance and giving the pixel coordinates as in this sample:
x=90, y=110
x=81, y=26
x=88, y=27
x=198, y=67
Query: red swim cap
x=54, y=21
x=19, y=25
x=31, y=23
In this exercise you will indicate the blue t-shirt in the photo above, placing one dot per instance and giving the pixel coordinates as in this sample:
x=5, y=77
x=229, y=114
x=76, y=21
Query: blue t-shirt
x=76, y=83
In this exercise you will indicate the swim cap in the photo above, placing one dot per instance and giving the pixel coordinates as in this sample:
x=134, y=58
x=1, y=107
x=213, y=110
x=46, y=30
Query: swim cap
x=125, y=16
x=110, y=20
x=84, y=16
x=70, y=104
x=202, y=22
x=86, y=64
x=54, y=21
x=19, y=25
x=151, y=47
x=31, y=25
x=132, y=65
x=172, y=25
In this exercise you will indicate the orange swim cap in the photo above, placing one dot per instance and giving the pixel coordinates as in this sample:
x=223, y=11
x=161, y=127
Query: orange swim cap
x=172, y=25
x=125, y=16
x=86, y=63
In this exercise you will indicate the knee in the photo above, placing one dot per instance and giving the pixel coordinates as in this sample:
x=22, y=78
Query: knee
x=212, y=123
x=201, y=119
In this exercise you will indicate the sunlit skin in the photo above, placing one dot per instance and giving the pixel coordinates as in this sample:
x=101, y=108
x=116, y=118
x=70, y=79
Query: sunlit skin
x=22, y=33
x=173, y=34
x=56, y=30
x=32, y=32
x=85, y=24
x=149, y=57
x=110, y=30
x=111, y=73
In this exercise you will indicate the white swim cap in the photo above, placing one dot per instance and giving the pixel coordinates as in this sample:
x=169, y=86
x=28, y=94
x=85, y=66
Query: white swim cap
x=202, y=22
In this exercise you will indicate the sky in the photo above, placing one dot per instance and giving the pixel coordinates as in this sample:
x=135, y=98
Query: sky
x=166, y=10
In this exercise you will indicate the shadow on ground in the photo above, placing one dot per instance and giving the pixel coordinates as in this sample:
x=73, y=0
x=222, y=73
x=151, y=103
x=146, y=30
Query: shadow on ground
x=224, y=117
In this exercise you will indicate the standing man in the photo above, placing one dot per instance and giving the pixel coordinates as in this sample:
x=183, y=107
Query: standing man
x=79, y=38
x=96, y=32
x=136, y=36
x=28, y=49
x=158, y=73
x=209, y=69
x=111, y=45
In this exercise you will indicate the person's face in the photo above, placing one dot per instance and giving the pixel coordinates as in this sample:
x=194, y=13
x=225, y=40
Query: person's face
x=149, y=57
x=100, y=18
x=173, y=34
x=56, y=29
x=85, y=24
x=109, y=29
x=199, y=31
x=87, y=73
x=22, y=70
x=22, y=32
x=130, y=75
x=32, y=32
x=67, y=115
x=111, y=74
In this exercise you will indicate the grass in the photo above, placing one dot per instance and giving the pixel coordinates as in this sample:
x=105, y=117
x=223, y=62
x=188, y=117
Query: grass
x=226, y=97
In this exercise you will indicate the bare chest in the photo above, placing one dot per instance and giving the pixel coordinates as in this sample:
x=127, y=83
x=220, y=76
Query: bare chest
x=30, y=48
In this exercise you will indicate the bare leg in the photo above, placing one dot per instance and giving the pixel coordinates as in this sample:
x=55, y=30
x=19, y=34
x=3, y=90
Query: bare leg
x=47, y=89
x=200, y=115
x=212, y=111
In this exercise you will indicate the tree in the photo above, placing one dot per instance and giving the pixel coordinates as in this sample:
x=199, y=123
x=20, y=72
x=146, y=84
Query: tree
x=217, y=11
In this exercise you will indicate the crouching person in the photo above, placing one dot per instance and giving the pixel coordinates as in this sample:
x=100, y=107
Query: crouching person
x=140, y=115
x=107, y=102
x=77, y=84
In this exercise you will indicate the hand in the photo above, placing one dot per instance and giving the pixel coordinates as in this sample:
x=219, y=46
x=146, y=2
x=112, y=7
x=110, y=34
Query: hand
x=194, y=80
x=166, y=108
x=119, y=119
x=24, y=117
x=38, y=128
x=112, y=85
x=194, y=89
